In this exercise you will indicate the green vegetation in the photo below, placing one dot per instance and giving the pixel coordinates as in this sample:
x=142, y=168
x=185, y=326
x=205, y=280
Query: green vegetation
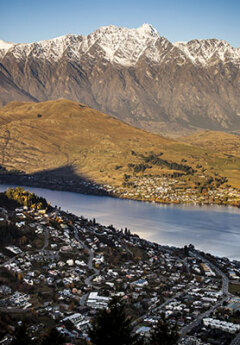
x=154, y=159
x=162, y=334
x=22, y=337
x=53, y=337
x=25, y=198
x=113, y=326
x=140, y=167
x=9, y=233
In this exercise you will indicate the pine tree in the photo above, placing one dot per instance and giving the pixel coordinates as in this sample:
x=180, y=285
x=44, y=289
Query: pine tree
x=21, y=337
x=162, y=334
x=53, y=338
x=112, y=326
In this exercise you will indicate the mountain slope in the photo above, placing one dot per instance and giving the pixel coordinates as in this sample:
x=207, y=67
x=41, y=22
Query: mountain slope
x=135, y=75
x=220, y=142
x=9, y=90
x=36, y=137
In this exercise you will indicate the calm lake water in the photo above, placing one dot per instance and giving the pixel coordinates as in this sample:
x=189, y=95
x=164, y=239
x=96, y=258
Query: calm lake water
x=214, y=229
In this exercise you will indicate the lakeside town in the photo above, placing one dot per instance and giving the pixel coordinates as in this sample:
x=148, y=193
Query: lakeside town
x=158, y=189
x=167, y=190
x=59, y=269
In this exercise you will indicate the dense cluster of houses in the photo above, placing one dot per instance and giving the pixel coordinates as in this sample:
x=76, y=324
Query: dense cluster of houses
x=72, y=267
x=172, y=190
x=222, y=325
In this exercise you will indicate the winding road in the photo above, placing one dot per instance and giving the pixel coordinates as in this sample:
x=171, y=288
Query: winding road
x=46, y=239
x=225, y=292
x=88, y=280
x=225, y=280
x=199, y=318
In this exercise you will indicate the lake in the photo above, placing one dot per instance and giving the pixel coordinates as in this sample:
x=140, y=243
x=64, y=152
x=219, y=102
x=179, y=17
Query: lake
x=213, y=229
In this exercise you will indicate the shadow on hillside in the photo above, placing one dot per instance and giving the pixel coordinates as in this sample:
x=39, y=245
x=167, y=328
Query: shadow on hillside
x=63, y=178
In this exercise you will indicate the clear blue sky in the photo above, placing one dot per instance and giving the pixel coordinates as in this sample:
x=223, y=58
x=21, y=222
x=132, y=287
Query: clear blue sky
x=177, y=20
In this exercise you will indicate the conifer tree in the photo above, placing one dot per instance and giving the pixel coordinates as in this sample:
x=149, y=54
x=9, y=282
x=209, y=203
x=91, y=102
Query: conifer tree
x=113, y=326
x=21, y=337
x=53, y=338
x=162, y=334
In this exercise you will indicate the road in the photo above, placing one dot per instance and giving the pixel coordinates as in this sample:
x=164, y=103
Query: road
x=199, y=318
x=185, y=263
x=88, y=280
x=225, y=292
x=225, y=280
x=141, y=318
x=46, y=239
x=90, y=251
x=197, y=321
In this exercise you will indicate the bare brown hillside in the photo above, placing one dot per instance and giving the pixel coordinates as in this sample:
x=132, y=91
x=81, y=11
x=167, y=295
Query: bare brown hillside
x=50, y=135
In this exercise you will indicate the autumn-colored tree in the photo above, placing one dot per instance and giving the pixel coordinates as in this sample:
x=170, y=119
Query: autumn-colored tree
x=23, y=240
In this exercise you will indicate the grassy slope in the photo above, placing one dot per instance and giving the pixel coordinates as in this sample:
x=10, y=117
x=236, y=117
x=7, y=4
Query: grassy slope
x=70, y=133
x=227, y=152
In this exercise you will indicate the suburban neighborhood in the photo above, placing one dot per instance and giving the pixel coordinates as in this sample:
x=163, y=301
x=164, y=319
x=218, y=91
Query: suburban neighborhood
x=62, y=269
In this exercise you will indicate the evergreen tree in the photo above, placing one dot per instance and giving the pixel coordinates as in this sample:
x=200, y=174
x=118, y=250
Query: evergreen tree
x=162, y=334
x=112, y=326
x=53, y=338
x=21, y=337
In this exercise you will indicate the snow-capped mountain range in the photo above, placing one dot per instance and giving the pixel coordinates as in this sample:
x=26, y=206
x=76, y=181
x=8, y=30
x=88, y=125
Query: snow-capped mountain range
x=123, y=46
x=134, y=74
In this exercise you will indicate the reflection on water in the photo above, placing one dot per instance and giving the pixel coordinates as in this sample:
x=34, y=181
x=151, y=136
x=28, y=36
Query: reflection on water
x=214, y=229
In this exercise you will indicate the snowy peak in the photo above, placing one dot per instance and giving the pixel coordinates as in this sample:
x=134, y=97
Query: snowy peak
x=5, y=45
x=117, y=45
x=148, y=29
x=120, y=45
x=209, y=51
x=52, y=49
x=125, y=47
x=134, y=74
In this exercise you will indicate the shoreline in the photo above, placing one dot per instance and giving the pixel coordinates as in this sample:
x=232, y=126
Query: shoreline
x=89, y=188
x=166, y=239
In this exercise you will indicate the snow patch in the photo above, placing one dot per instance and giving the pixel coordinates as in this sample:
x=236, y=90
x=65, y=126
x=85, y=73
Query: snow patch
x=5, y=45
x=117, y=45
x=125, y=47
x=208, y=51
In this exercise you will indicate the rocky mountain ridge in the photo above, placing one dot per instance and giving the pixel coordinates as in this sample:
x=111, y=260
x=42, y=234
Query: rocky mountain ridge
x=134, y=74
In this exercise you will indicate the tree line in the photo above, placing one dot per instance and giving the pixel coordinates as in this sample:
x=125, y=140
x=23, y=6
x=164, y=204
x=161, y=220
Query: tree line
x=156, y=160
x=9, y=233
x=25, y=198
